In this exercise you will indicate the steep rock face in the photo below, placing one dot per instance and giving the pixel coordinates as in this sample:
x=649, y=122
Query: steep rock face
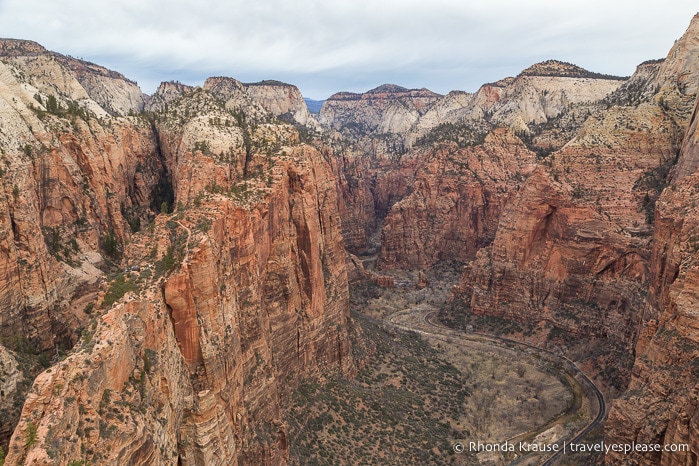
x=368, y=185
x=545, y=91
x=455, y=203
x=9, y=385
x=76, y=182
x=166, y=92
x=677, y=74
x=196, y=368
x=386, y=109
x=566, y=269
x=282, y=99
x=572, y=254
x=73, y=177
x=660, y=405
x=540, y=93
x=689, y=160
x=449, y=109
x=392, y=131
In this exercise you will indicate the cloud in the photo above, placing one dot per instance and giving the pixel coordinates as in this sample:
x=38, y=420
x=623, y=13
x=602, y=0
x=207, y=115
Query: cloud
x=325, y=46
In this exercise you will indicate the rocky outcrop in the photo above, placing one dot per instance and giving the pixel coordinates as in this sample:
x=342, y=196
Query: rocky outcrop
x=539, y=94
x=52, y=72
x=10, y=394
x=76, y=183
x=283, y=100
x=394, y=130
x=75, y=187
x=564, y=269
x=386, y=109
x=572, y=253
x=688, y=163
x=368, y=186
x=248, y=295
x=457, y=197
x=660, y=405
x=166, y=92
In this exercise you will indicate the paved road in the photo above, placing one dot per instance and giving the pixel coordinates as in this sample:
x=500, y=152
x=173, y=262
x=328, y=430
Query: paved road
x=569, y=365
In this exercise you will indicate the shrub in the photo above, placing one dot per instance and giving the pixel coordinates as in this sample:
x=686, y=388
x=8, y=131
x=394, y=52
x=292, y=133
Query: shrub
x=117, y=289
x=30, y=435
x=110, y=245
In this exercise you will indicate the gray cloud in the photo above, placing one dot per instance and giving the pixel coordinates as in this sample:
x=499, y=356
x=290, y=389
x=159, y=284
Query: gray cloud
x=327, y=46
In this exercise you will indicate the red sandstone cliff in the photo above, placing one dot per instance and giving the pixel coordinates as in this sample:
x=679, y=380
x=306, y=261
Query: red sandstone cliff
x=195, y=368
x=234, y=299
x=457, y=197
x=660, y=404
x=572, y=253
x=72, y=177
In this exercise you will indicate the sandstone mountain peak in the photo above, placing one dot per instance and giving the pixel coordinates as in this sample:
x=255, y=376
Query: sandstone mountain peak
x=560, y=69
x=14, y=47
x=270, y=82
x=28, y=48
x=385, y=88
x=396, y=89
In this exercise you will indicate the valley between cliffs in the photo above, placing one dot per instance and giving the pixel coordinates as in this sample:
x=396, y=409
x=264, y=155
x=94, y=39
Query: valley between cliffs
x=202, y=276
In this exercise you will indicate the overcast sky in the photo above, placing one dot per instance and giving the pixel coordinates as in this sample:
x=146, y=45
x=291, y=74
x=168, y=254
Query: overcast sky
x=325, y=46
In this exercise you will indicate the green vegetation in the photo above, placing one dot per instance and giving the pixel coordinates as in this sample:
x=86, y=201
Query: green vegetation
x=457, y=314
x=30, y=435
x=204, y=225
x=58, y=245
x=203, y=147
x=166, y=264
x=132, y=218
x=653, y=182
x=110, y=245
x=268, y=82
x=52, y=105
x=527, y=137
x=402, y=409
x=562, y=69
x=463, y=135
x=79, y=463
x=162, y=193
x=117, y=289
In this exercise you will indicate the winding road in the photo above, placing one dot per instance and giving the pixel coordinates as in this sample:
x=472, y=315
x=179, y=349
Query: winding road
x=590, y=388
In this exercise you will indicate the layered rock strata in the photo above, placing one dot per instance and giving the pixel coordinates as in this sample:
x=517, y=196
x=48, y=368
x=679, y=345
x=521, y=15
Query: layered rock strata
x=228, y=303
x=457, y=198
x=572, y=255
x=76, y=181
x=660, y=404
x=195, y=368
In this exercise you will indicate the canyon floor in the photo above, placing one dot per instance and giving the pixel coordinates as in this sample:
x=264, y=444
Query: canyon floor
x=426, y=388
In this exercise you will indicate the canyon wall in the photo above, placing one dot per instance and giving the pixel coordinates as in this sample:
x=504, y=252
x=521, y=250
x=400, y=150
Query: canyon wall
x=75, y=179
x=195, y=368
x=660, y=404
x=227, y=281
x=402, y=150
x=455, y=202
x=572, y=254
